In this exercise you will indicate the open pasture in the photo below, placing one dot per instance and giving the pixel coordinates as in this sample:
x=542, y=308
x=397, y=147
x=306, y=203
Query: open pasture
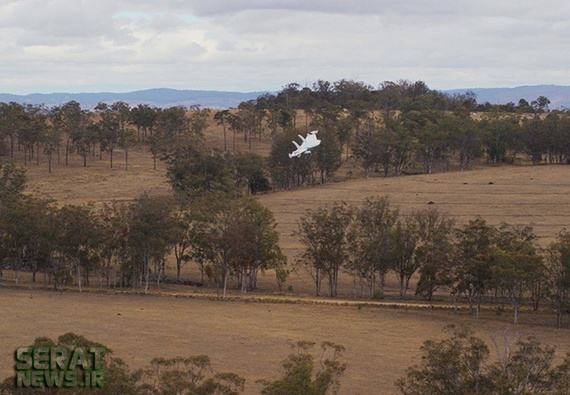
x=250, y=339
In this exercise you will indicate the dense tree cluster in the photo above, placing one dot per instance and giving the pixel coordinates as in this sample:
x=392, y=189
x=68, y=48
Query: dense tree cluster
x=476, y=260
x=460, y=365
x=127, y=245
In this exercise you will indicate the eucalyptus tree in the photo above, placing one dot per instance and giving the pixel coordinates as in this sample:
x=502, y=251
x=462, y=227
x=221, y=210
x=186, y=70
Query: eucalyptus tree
x=78, y=241
x=435, y=251
x=114, y=220
x=400, y=145
x=113, y=124
x=327, y=158
x=51, y=140
x=404, y=239
x=12, y=116
x=150, y=238
x=72, y=120
x=557, y=264
x=198, y=122
x=143, y=117
x=251, y=115
x=33, y=123
x=370, y=237
x=249, y=172
x=373, y=148
x=474, y=258
x=535, y=139
x=432, y=140
x=325, y=237
x=500, y=137
x=517, y=262
x=221, y=118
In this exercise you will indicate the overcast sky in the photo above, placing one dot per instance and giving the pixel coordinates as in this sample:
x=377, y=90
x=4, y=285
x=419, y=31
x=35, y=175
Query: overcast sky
x=261, y=45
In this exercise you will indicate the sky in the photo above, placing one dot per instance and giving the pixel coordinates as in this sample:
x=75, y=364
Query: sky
x=262, y=45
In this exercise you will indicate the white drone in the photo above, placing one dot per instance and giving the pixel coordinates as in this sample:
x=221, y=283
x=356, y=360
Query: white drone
x=308, y=142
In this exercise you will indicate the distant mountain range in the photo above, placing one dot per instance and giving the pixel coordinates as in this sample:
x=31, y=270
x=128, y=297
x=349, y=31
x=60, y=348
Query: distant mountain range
x=558, y=95
x=153, y=97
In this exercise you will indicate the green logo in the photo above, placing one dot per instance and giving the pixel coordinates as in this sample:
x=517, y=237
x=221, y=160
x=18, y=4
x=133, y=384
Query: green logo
x=57, y=366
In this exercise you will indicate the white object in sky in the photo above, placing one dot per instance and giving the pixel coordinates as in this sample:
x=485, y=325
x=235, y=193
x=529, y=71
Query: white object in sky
x=308, y=142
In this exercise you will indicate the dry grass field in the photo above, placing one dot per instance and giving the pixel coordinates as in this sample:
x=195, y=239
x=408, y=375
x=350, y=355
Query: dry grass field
x=246, y=338
x=252, y=338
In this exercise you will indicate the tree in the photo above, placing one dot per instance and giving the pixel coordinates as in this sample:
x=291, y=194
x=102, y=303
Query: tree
x=72, y=119
x=558, y=274
x=238, y=237
x=327, y=156
x=144, y=118
x=517, y=262
x=190, y=375
x=281, y=167
x=370, y=238
x=221, y=118
x=453, y=366
x=458, y=366
x=499, y=136
x=474, y=242
x=541, y=104
x=373, y=150
x=432, y=140
x=78, y=239
x=535, y=139
x=528, y=370
x=195, y=173
x=82, y=133
x=324, y=234
x=51, y=140
x=150, y=238
x=12, y=182
x=403, y=242
x=250, y=172
x=300, y=375
x=11, y=119
x=435, y=252
x=113, y=127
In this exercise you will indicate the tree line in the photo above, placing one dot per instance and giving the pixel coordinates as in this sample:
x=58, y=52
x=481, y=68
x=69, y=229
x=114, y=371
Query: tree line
x=212, y=222
x=476, y=261
x=127, y=245
x=397, y=128
x=63, y=130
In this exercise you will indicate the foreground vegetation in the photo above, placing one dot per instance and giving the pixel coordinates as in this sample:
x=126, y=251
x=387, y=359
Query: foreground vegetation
x=456, y=365
x=194, y=375
x=459, y=365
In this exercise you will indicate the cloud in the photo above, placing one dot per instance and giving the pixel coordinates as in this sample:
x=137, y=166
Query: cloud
x=259, y=44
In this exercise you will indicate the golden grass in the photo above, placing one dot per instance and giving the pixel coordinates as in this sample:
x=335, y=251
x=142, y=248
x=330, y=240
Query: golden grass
x=250, y=339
